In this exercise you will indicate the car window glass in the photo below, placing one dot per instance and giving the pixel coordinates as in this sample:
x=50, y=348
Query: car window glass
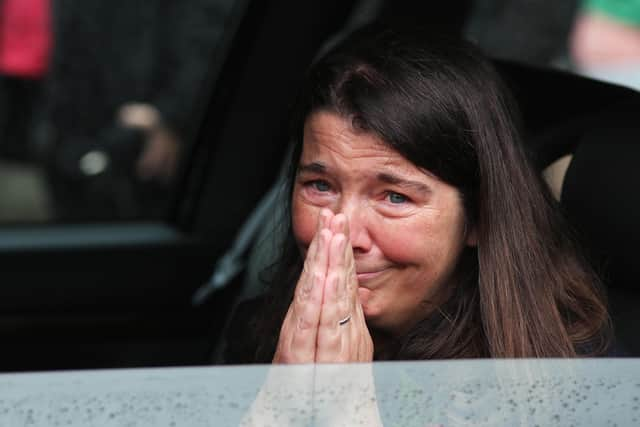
x=97, y=103
x=548, y=392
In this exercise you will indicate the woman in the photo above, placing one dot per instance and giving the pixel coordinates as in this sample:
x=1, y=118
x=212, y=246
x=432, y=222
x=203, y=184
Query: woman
x=417, y=228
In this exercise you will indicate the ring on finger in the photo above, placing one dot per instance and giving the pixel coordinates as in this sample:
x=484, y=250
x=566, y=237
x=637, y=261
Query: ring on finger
x=345, y=320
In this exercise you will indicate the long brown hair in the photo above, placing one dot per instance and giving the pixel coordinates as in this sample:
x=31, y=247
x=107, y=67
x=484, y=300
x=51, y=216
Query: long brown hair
x=524, y=291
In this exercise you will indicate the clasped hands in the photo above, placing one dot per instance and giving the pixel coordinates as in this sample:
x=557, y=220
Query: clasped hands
x=325, y=322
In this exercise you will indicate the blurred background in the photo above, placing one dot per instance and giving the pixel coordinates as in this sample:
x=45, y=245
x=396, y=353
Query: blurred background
x=98, y=99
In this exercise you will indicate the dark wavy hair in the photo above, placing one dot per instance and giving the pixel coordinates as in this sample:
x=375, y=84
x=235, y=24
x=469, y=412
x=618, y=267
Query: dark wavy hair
x=524, y=291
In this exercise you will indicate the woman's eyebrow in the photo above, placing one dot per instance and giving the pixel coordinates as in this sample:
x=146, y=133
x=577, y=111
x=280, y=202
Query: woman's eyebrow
x=313, y=167
x=401, y=182
x=321, y=168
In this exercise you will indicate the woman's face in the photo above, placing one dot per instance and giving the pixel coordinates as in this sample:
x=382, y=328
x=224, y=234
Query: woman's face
x=406, y=226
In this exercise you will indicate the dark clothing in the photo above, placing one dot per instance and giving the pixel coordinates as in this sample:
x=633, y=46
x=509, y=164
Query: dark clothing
x=241, y=339
x=108, y=53
x=18, y=100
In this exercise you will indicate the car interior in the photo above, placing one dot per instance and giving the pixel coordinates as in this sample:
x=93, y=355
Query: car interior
x=596, y=135
x=145, y=293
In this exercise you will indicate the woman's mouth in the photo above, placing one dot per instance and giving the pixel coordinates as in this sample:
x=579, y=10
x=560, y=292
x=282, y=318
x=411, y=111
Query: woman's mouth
x=369, y=275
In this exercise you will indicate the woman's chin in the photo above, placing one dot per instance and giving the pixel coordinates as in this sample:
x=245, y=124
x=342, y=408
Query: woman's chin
x=368, y=305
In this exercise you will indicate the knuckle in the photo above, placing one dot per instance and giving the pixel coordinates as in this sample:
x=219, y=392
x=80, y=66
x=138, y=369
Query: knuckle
x=304, y=324
x=317, y=277
x=333, y=277
x=328, y=321
x=302, y=294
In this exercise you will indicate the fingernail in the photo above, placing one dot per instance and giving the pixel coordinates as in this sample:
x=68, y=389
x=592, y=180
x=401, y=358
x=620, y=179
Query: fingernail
x=322, y=220
x=317, y=278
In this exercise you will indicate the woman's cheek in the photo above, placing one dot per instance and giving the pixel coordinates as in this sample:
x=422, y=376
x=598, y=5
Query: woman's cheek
x=397, y=241
x=304, y=220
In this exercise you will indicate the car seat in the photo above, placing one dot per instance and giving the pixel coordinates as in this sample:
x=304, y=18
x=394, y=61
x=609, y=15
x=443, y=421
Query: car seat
x=602, y=201
x=593, y=128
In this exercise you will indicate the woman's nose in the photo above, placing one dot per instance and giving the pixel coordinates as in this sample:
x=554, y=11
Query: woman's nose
x=358, y=227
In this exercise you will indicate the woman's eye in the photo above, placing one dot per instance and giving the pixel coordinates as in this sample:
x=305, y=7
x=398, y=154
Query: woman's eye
x=397, y=198
x=319, y=185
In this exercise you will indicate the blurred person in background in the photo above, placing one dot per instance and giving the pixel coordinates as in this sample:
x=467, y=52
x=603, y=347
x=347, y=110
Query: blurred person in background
x=534, y=32
x=120, y=101
x=605, y=41
x=25, y=44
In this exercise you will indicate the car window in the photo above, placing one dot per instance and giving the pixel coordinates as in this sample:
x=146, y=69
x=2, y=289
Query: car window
x=102, y=137
x=596, y=392
x=98, y=103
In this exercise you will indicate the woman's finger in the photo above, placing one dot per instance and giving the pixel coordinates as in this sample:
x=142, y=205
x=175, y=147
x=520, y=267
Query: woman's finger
x=361, y=341
x=343, y=335
x=334, y=337
x=298, y=333
x=361, y=338
x=347, y=291
x=308, y=305
x=315, y=263
x=341, y=261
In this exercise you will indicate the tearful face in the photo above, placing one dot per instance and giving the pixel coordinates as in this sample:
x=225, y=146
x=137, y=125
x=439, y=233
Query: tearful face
x=407, y=227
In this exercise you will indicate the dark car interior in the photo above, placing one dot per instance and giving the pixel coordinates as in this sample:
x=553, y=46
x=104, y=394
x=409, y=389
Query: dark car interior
x=597, y=195
x=121, y=294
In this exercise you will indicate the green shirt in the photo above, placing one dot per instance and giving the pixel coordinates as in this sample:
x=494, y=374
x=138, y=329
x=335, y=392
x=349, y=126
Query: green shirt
x=626, y=11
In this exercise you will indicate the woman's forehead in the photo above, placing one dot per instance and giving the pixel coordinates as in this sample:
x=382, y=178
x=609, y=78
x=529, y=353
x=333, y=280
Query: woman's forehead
x=329, y=133
x=331, y=143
